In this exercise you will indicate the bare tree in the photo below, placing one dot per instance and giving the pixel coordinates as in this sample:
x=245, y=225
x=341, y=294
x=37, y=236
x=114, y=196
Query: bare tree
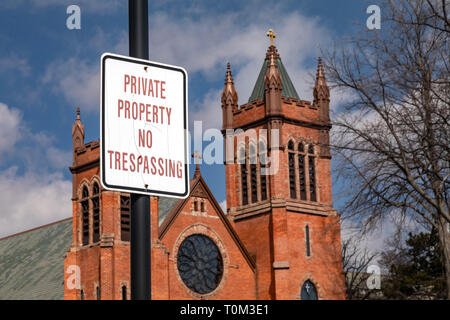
x=355, y=261
x=393, y=138
x=431, y=10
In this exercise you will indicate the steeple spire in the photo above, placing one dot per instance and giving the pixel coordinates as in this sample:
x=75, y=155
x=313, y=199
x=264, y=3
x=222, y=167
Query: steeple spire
x=272, y=84
x=320, y=75
x=77, y=133
x=321, y=94
x=229, y=100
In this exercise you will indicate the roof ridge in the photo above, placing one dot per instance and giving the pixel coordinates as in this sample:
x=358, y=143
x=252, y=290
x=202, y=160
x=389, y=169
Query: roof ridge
x=34, y=229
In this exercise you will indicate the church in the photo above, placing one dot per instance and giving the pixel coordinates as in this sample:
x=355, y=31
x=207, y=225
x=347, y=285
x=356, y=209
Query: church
x=279, y=238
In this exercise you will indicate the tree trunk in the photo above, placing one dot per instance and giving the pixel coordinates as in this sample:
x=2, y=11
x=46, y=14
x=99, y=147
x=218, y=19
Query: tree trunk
x=444, y=239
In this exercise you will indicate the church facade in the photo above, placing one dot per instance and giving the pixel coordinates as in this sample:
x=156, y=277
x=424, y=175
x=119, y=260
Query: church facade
x=280, y=237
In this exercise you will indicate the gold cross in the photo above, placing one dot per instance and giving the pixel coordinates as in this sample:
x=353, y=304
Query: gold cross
x=197, y=156
x=271, y=35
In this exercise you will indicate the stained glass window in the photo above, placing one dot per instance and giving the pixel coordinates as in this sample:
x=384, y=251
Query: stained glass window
x=309, y=291
x=200, y=264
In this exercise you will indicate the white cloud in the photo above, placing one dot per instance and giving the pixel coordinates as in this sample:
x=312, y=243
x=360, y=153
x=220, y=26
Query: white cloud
x=205, y=46
x=14, y=63
x=34, y=193
x=375, y=240
x=208, y=110
x=32, y=200
x=77, y=80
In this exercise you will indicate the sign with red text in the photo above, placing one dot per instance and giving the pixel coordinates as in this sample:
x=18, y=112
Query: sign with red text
x=143, y=127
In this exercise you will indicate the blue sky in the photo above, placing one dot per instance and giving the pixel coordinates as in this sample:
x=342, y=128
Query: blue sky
x=48, y=70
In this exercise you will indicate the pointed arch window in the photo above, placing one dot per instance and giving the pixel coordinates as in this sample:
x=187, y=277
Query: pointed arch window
x=244, y=184
x=312, y=174
x=96, y=212
x=301, y=171
x=309, y=291
x=291, y=159
x=85, y=216
x=253, y=178
x=124, y=293
x=263, y=168
x=125, y=218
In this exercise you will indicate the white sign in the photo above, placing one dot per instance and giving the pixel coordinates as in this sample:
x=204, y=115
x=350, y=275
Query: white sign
x=143, y=127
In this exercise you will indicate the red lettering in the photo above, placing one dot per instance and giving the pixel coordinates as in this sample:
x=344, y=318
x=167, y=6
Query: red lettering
x=145, y=164
x=132, y=166
x=110, y=158
x=117, y=162
x=150, y=87
x=134, y=110
x=153, y=162
x=179, y=169
x=139, y=162
x=133, y=84
x=125, y=82
x=119, y=107
x=163, y=84
x=162, y=114
x=124, y=161
x=148, y=112
x=141, y=110
x=161, y=166
x=171, y=168
x=127, y=109
x=169, y=111
x=155, y=114
x=145, y=138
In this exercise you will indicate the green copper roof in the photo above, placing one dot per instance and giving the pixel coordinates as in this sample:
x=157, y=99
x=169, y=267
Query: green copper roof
x=32, y=263
x=165, y=205
x=288, y=87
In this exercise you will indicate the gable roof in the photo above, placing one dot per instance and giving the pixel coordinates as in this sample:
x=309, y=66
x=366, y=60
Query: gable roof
x=176, y=209
x=32, y=262
x=288, y=89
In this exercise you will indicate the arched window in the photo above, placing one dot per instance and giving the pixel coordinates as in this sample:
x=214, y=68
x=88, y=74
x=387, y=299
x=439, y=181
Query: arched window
x=124, y=293
x=125, y=218
x=82, y=295
x=244, y=184
x=253, y=178
x=85, y=216
x=96, y=213
x=309, y=291
x=291, y=159
x=312, y=174
x=263, y=164
x=202, y=207
x=301, y=171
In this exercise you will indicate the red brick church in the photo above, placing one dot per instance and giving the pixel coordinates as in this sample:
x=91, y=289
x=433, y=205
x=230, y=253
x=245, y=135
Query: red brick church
x=279, y=239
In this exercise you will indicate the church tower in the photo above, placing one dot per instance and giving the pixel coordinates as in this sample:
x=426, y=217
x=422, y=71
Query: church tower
x=278, y=182
x=96, y=265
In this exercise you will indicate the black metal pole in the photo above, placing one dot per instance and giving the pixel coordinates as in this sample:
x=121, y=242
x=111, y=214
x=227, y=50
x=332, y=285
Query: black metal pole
x=140, y=245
